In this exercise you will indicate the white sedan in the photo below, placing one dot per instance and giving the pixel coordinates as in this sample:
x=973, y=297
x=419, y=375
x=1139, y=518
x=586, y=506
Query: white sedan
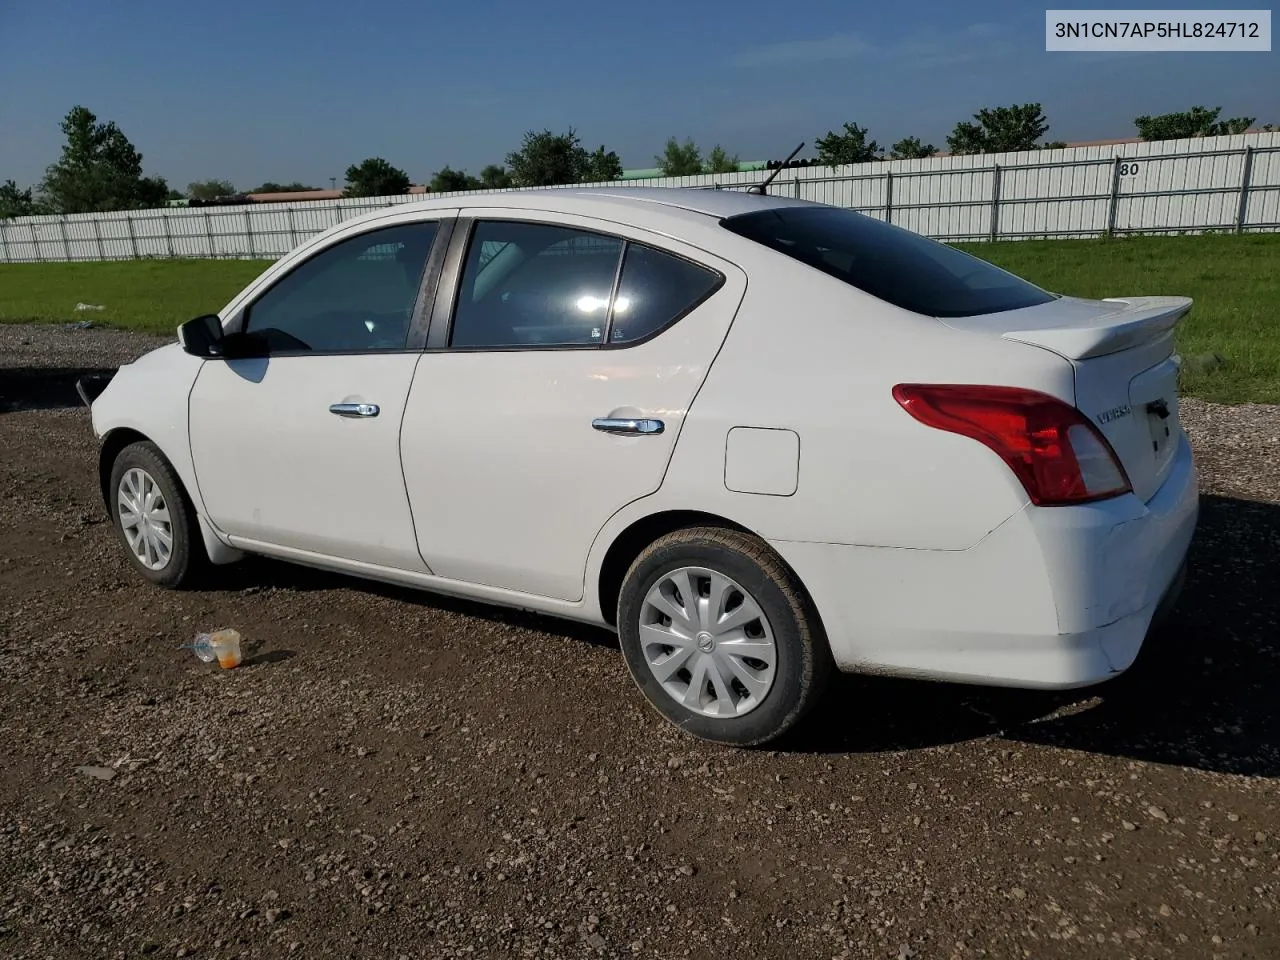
x=762, y=439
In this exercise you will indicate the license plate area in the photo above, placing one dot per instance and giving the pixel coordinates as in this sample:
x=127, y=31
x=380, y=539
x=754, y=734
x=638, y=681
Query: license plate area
x=1161, y=421
x=1153, y=395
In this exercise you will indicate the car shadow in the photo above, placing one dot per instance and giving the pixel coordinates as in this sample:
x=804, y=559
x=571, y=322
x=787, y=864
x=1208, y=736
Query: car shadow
x=43, y=388
x=255, y=574
x=1201, y=694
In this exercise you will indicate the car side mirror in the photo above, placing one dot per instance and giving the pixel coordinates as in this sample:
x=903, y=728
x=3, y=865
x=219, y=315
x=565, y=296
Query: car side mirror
x=202, y=336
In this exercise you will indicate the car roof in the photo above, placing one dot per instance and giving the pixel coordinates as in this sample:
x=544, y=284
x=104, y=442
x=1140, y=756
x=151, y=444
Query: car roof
x=707, y=202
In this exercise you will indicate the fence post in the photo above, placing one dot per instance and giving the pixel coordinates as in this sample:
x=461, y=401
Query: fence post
x=1113, y=204
x=62, y=233
x=1242, y=207
x=797, y=188
x=995, y=203
x=888, y=196
x=97, y=238
x=168, y=234
x=4, y=242
x=293, y=233
x=133, y=237
x=35, y=240
x=208, y=232
x=248, y=229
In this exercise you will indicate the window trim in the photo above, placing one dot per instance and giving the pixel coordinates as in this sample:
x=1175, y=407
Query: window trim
x=415, y=335
x=449, y=288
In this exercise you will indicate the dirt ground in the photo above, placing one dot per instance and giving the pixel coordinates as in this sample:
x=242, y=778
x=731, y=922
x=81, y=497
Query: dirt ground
x=392, y=774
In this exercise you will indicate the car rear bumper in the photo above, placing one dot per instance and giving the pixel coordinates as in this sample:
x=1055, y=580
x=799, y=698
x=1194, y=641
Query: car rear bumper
x=1054, y=597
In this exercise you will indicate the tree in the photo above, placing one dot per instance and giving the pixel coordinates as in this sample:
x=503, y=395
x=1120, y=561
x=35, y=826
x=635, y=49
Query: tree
x=1000, y=130
x=851, y=146
x=99, y=170
x=495, y=177
x=718, y=161
x=449, y=180
x=272, y=187
x=911, y=148
x=375, y=178
x=546, y=159
x=1196, y=122
x=15, y=202
x=602, y=167
x=210, y=189
x=1053, y=145
x=680, y=159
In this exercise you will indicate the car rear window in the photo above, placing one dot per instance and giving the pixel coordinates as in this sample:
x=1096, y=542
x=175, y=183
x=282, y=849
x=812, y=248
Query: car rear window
x=888, y=262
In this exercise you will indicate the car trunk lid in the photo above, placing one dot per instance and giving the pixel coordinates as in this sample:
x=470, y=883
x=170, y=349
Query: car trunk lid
x=1126, y=370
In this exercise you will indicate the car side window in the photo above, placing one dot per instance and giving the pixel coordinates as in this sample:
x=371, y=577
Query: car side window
x=356, y=295
x=656, y=289
x=534, y=285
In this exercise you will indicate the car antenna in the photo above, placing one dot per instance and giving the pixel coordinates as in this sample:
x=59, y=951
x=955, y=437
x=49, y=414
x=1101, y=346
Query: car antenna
x=763, y=188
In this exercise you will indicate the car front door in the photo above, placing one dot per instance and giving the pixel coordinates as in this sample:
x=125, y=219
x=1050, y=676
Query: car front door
x=297, y=453
x=560, y=364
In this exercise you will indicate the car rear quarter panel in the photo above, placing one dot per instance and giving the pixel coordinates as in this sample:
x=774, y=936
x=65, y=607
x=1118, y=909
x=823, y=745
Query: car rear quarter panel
x=810, y=354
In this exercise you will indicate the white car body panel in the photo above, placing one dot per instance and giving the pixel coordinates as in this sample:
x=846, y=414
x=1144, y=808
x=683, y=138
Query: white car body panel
x=277, y=468
x=1054, y=598
x=920, y=548
x=508, y=481
x=130, y=403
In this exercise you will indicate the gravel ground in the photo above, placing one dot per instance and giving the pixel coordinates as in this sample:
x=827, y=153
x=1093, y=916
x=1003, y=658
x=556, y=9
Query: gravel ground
x=393, y=774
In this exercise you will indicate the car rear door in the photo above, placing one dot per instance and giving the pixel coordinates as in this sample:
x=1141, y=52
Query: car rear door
x=297, y=453
x=563, y=355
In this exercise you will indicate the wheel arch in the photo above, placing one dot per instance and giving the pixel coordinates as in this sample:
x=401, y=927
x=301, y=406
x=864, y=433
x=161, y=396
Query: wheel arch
x=115, y=441
x=629, y=543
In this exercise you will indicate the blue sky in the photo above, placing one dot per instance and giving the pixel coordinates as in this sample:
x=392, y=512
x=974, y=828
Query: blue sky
x=253, y=91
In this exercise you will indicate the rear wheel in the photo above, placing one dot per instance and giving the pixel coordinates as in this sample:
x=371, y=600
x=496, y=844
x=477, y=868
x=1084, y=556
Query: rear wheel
x=153, y=518
x=720, y=637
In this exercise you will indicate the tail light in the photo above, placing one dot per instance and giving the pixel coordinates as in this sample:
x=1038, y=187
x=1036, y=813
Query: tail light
x=1053, y=449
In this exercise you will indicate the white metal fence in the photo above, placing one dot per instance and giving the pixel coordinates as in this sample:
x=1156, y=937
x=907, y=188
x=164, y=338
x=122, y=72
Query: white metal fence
x=1215, y=183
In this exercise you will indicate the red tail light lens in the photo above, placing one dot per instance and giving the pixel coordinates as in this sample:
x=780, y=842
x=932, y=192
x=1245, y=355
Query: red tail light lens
x=1053, y=449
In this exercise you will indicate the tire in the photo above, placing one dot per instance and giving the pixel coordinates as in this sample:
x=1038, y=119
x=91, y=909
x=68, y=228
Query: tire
x=717, y=564
x=186, y=560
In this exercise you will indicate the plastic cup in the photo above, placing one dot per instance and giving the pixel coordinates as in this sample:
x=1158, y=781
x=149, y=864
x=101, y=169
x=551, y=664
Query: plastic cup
x=226, y=646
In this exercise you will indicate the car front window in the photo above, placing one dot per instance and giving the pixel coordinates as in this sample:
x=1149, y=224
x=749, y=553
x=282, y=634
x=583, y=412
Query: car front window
x=356, y=295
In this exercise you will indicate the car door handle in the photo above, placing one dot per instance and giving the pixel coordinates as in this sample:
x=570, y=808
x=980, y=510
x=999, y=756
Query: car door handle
x=616, y=425
x=354, y=409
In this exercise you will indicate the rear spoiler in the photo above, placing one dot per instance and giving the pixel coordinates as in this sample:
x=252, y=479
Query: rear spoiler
x=1135, y=320
x=91, y=387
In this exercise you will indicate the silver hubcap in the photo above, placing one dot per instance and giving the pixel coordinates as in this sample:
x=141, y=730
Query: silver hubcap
x=708, y=642
x=144, y=518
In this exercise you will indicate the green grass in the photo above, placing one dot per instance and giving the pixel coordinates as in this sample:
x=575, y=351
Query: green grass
x=153, y=296
x=1235, y=282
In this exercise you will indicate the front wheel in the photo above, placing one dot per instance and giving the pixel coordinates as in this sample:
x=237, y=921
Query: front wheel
x=153, y=518
x=720, y=637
